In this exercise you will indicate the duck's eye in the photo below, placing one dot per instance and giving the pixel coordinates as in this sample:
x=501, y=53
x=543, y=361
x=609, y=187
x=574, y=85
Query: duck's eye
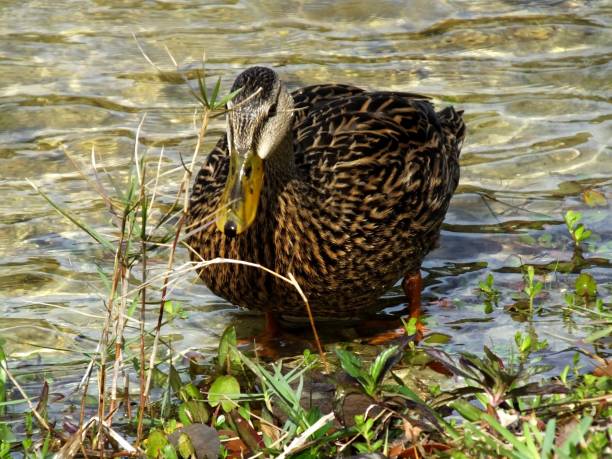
x=272, y=110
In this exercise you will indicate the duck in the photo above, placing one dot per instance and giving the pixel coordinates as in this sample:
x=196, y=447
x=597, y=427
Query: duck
x=345, y=189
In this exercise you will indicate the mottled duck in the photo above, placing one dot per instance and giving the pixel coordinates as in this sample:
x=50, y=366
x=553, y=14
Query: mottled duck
x=344, y=188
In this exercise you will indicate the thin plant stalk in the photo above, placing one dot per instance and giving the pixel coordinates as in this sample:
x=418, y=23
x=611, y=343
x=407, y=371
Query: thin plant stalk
x=183, y=188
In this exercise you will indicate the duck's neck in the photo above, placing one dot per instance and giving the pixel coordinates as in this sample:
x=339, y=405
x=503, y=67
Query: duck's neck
x=279, y=167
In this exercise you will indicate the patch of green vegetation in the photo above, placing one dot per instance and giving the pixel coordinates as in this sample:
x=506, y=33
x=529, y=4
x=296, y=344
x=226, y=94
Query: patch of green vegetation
x=576, y=229
x=489, y=292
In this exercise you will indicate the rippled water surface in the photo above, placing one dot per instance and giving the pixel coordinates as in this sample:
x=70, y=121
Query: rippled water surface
x=533, y=77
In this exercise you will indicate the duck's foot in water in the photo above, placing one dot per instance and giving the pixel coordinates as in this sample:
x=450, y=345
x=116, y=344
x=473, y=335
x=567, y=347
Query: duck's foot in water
x=391, y=331
x=412, y=285
x=274, y=341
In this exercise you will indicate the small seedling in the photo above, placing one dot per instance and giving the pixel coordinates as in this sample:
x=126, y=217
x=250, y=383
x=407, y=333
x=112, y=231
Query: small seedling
x=586, y=286
x=364, y=427
x=370, y=378
x=490, y=293
x=532, y=288
x=576, y=229
x=174, y=309
x=527, y=345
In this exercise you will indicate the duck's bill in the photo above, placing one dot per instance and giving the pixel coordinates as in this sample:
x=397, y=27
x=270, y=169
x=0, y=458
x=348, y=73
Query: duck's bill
x=240, y=199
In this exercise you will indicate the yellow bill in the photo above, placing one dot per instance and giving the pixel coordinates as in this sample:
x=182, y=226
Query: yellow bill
x=238, y=206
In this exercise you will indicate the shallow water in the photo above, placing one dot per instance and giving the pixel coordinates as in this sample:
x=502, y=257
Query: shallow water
x=533, y=77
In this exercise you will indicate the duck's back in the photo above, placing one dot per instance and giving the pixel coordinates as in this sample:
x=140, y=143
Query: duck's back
x=387, y=158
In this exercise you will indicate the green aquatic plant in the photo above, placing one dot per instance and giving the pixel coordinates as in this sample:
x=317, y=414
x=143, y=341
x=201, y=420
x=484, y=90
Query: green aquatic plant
x=491, y=294
x=364, y=427
x=576, y=229
x=532, y=287
x=586, y=286
x=369, y=378
x=527, y=343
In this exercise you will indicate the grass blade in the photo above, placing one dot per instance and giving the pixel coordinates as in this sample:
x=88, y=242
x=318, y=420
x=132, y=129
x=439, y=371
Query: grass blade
x=84, y=226
x=215, y=93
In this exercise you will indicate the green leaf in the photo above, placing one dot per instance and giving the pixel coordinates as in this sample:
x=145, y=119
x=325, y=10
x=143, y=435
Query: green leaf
x=215, y=93
x=378, y=367
x=575, y=436
x=155, y=443
x=168, y=452
x=224, y=390
x=203, y=92
x=549, y=439
x=174, y=379
x=571, y=218
x=279, y=385
x=516, y=442
x=226, y=354
x=529, y=435
x=228, y=97
x=85, y=227
x=599, y=334
x=185, y=447
x=351, y=364
x=410, y=326
x=189, y=392
x=2, y=354
x=6, y=434
x=586, y=285
x=193, y=411
x=530, y=273
x=466, y=410
x=5, y=449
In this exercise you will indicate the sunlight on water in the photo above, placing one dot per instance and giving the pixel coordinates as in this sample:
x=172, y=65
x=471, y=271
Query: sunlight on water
x=533, y=77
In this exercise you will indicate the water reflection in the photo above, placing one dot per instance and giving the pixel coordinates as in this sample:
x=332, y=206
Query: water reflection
x=532, y=77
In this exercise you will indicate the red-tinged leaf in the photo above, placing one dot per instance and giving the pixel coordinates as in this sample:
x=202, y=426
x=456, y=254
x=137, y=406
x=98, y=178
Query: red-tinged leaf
x=235, y=446
x=246, y=432
x=439, y=367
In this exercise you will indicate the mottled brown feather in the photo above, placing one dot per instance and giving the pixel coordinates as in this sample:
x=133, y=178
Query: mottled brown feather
x=375, y=174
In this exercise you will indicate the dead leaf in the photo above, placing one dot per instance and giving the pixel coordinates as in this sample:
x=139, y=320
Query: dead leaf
x=594, y=198
x=604, y=370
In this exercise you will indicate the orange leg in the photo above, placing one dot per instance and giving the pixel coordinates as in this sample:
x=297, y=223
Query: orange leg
x=273, y=341
x=412, y=285
x=273, y=328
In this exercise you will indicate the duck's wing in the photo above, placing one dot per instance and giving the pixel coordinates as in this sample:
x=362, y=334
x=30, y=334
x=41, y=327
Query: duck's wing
x=378, y=153
x=311, y=98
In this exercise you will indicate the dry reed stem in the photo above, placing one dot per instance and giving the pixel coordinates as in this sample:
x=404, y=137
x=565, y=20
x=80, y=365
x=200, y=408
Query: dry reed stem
x=300, y=441
x=184, y=186
x=104, y=339
x=37, y=415
x=125, y=273
x=119, y=327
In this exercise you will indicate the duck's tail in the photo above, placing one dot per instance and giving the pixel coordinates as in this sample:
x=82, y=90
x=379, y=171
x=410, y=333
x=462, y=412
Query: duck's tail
x=453, y=128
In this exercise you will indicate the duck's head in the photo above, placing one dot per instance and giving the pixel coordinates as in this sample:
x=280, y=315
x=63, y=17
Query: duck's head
x=258, y=121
